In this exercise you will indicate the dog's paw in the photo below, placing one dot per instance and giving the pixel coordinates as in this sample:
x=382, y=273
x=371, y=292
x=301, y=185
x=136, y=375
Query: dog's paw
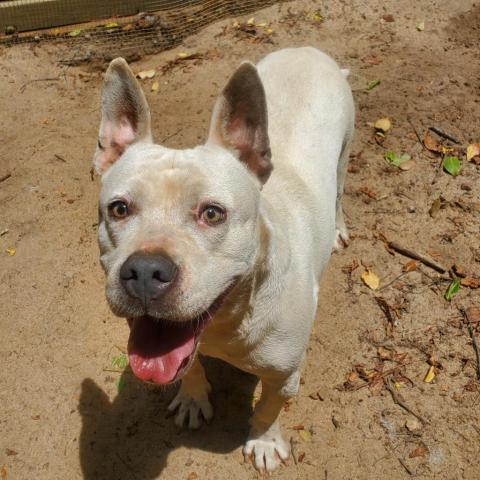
x=191, y=409
x=267, y=451
x=342, y=240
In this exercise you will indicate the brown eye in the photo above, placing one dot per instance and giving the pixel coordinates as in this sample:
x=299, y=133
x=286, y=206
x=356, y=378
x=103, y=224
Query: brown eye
x=213, y=215
x=118, y=209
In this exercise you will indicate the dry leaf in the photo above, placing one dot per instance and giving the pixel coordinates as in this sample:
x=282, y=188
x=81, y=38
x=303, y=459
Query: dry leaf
x=470, y=282
x=435, y=208
x=298, y=427
x=383, y=124
x=430, y=375
x=10, y=452
x=3, y=472
x=473, y=314
x=192, y=476
x=146, y=74
x=406, y=165
x=410, y=266
x=10, y=251
x=473, y=153
x=155, y=86
x=370, y=279
x=305, y=435
x=418, y=452
x=431, y=144
x=412, y=424
x=301, y=456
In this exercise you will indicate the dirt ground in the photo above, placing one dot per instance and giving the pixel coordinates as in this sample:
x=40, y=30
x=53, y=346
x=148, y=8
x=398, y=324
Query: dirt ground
x=63, y=415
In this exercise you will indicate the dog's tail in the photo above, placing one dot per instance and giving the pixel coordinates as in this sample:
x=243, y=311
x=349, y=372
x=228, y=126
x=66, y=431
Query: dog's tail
x=345, y=71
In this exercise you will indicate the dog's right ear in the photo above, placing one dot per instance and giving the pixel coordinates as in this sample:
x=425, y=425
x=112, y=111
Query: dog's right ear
x=125, y=115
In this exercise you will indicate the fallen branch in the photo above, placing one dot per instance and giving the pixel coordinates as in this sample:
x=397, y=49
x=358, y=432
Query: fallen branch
x=444, y=135
x=474, y=341
x=402, y=404
x=417, y=256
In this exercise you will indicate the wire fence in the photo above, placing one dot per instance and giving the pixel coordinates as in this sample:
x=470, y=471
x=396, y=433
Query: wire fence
x=95, y=29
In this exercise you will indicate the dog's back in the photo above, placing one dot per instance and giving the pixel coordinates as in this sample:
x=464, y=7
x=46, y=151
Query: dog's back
x=311, y=117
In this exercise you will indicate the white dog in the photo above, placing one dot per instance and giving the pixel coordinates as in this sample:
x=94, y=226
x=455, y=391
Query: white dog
x=219, y=249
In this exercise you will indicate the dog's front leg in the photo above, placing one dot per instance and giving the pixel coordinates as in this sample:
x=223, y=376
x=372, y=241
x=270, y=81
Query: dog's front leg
x=265, y=442
x=192, y=398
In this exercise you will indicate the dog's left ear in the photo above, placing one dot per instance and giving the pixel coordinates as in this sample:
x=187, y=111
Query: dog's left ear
x=125, y=115
x=239, y=121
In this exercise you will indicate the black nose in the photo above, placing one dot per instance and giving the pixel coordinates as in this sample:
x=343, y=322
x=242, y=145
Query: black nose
x=147, y=277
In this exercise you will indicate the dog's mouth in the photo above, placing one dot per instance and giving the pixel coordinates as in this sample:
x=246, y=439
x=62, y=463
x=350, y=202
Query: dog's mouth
x=162, y=351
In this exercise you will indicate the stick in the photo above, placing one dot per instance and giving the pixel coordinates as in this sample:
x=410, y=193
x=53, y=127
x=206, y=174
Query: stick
x=47, y=79
x=402, y=404
x=474, y=342
x=5, y=177
x=383, y=375
x=443, y=134
x=292, y=449
x=416, y=133
x=405, y=466
x=417, y=256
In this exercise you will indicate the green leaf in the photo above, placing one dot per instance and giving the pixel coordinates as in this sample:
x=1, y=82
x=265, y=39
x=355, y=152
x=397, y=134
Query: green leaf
x=452, y=165
x=452, y=289
x=74, y=33
x=372, y=84
x=120, y=384
x=396, y=160
x=120, y=361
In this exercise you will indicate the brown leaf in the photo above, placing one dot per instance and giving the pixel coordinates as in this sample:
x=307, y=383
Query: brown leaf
x=470, y=282
x=301, y=456
x=410, y=266
x=192, y=476
x=473, y=153
x=418, y=452
x=473, y=314
x=431, y=144
x=435, y=208
x=372, y=60
x=388, y=17
x=10, y=452
x=298, y=427
x=367, y=192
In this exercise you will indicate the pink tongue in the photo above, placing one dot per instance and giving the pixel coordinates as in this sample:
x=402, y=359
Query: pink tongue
x=157, y=349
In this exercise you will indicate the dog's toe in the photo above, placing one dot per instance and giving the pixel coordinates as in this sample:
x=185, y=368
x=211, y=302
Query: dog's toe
x=342, y=240
x=191, y=409
x=267, y=452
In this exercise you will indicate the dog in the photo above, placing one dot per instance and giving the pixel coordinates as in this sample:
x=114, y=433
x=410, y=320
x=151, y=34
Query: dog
x=219, y=249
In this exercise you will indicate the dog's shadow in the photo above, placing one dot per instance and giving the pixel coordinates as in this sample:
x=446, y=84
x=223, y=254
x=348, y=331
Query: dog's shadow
x=131, y=437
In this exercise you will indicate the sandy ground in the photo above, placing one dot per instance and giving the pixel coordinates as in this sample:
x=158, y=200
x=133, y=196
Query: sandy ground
x=61, y=414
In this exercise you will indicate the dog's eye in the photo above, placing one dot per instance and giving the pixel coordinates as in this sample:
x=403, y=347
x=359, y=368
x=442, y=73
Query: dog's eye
x=213, y=215
x=118, y=209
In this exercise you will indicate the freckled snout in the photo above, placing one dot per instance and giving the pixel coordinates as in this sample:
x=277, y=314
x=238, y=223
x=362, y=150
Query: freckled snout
x=147, y=277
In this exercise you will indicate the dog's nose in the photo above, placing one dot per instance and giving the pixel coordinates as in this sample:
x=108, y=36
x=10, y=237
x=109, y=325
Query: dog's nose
x=147, y=277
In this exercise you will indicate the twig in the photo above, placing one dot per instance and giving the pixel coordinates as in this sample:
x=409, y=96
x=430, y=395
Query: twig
x=474, y=341
x=46, y=79
x=417, y=256
x=385, y=308
x=5, y=177
x=405, y=466
x=292, y=449
x=416, y=133
x=398, y=277
x=444, y=135
x=383, y=375
x=121, y=349
x=168, y=137
x=59, y=157
x=402, y=404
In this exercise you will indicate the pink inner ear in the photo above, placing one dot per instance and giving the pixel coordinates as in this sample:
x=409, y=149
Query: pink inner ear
x=114, y=138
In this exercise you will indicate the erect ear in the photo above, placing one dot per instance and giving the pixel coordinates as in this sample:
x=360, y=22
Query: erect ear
x=125, y=115
x=239, y=121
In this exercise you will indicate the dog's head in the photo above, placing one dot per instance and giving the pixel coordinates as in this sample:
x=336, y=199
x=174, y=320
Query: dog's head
x=177, y=228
